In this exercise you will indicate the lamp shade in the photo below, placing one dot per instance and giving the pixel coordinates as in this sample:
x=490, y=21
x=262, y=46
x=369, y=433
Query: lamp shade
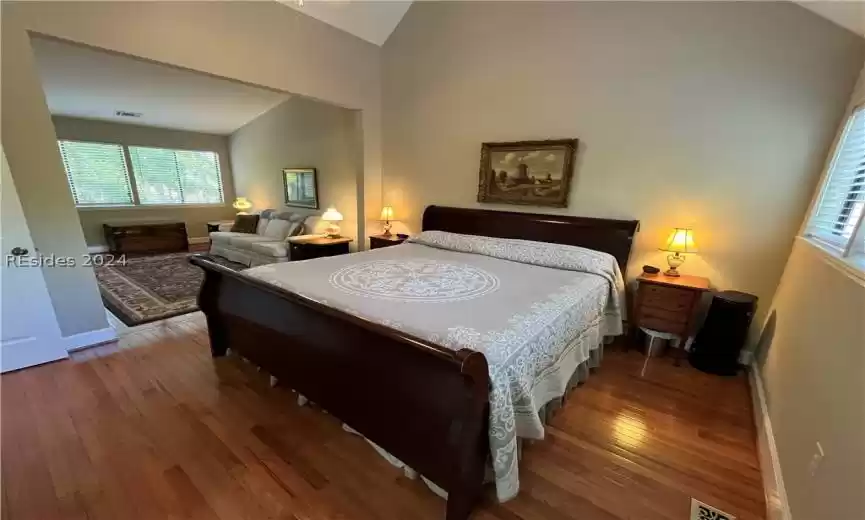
x=681, y=241
x=241, y=203
x=387, y=213
x=332, y=215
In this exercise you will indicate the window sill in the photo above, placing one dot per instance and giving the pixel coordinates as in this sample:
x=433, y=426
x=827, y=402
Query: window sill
x=151, y=206
x=853, y=266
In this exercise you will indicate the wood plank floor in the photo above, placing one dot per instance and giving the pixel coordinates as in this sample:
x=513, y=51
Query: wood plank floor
x=151, y=427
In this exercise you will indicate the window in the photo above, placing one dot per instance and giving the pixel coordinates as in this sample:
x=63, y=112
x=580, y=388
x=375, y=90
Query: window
x=99, y=176
x=97, y=173
x=166, y=176
x=836, y=220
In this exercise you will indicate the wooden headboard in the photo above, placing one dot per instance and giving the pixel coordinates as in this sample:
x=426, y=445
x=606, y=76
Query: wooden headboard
x=608, y=235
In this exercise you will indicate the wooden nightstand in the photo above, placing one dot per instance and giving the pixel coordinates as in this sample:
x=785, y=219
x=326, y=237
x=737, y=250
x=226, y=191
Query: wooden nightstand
x=668, y=303
x=317, y=247
x=377, y=241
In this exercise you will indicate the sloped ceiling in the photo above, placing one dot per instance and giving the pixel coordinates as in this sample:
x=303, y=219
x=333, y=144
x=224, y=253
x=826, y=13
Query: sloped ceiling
x=83, y=82
x=847, y=13
x=371, y=20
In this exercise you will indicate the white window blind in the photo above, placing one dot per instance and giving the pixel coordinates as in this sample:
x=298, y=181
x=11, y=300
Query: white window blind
x=837, y=216
x=97, y=173
x=164, y=176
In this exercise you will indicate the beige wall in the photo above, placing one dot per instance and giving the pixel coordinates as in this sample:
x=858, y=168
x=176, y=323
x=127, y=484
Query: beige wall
x=300, y=133
x=106, y=132
x=31, y=149
x=261, y=43
x=812, y=361
x=713, y=115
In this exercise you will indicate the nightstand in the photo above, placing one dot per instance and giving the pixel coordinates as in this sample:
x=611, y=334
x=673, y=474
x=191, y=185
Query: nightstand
x=377, y=241
x=669, y=303
x=317, y=247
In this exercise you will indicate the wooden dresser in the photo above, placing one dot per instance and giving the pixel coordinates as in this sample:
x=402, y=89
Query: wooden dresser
x=145, y=237
x=668, y=303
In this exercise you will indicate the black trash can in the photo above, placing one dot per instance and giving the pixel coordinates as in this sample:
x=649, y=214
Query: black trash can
x=716, y=348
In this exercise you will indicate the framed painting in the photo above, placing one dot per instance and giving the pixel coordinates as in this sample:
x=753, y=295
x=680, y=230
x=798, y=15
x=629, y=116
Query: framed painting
x=300, y=187
x=535, y=173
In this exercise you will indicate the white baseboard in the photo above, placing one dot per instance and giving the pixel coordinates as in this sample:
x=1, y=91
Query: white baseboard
x=777, y=506
x=89, y=339
x=199, y=240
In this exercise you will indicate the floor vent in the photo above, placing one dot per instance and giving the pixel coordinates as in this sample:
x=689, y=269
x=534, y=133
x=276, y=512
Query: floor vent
x=701, y=511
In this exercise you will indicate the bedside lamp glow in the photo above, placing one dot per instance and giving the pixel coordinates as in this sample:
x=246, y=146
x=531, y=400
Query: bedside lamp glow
x=241, y=204
x=681, y=241
x=387, y=215
x=334, y=217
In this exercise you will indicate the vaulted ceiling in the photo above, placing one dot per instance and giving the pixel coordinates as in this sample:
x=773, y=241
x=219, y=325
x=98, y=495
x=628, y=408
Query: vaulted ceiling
x=374, y=21
x=371, y=20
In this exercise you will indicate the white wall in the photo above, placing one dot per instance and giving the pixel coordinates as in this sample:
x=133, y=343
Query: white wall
x=300, y=133
x=812, y=361
x=195, y=217
x=715, y=115
x=262, y=43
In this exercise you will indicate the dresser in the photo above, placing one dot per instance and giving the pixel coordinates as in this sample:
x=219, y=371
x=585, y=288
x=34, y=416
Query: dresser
x=145, y=237
x=668, y=303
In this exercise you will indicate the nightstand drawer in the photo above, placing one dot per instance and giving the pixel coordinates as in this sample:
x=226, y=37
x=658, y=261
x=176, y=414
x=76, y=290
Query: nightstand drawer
x=667, y=298
x=663, y=314
x=661, y=325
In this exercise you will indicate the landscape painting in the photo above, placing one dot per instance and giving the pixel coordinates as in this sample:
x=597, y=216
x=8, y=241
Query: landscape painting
x=536, y=173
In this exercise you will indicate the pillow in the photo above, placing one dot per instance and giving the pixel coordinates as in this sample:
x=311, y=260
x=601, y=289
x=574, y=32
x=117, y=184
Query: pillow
x=296, y=228
x=262, y=225
x=245, y=223
x=277, y=229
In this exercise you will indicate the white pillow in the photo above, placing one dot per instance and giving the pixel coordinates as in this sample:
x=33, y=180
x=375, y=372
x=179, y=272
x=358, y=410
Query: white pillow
x=262, y=225
x=277, y=229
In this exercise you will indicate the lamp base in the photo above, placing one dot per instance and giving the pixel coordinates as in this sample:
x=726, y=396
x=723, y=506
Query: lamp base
x=386, y=227
x=674, y=261
x=332, y=231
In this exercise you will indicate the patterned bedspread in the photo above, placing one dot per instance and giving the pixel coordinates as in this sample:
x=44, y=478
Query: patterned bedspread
x=535, y=310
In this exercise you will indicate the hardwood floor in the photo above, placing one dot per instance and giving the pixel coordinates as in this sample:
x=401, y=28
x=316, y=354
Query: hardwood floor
x=151, y=427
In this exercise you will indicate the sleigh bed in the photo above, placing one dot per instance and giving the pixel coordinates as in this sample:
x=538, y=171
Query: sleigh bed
x=361, y=336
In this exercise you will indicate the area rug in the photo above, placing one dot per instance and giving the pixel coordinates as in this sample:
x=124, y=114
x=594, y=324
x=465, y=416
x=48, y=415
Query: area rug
x=153, y=287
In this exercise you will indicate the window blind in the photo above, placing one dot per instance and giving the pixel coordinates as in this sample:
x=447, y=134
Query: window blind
x=96, y=173
x=836, y=217
x=165, y=176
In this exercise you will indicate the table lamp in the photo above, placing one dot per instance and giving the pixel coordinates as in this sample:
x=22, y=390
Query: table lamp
x=387, y=216
x=333, y=216
x=241, y=204
x=681, y=241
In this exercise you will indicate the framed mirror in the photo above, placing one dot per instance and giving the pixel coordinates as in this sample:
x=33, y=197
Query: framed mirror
x=300, y=187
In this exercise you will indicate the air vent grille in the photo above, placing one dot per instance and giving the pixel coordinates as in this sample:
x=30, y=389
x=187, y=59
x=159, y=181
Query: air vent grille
x=124, y=113
x=701, y=511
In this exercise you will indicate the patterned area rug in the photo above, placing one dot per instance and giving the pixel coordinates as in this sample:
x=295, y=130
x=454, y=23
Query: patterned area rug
x=154, y=287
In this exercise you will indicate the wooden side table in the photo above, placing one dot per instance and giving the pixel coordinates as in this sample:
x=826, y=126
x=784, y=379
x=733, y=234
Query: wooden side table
x=668, y=303
x=377, y=241
x=317, y=247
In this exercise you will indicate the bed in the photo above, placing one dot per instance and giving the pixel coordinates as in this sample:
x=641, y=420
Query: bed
x=440, y=351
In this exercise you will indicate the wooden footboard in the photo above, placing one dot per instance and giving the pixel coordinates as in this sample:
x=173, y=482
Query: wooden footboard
x=426, y=405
